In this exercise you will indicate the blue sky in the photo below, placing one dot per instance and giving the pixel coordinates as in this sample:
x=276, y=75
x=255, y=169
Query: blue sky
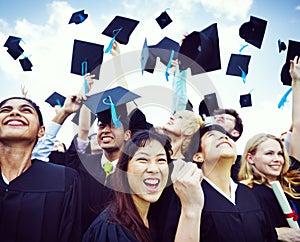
x=43, y=25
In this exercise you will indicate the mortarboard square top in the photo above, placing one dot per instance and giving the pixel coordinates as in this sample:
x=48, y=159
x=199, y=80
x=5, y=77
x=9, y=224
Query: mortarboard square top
x=245, y=100
x=102, y=101
x=148, y=60
x=120, y=28
x=56, y=99
x=200, y=51
x=238, y=64
x=208, y=105
x=26, y=64
x=163, y=20
x=86, y=58
x=14, y=49
x=293, y=50
x=78, y=17
x=253, y=31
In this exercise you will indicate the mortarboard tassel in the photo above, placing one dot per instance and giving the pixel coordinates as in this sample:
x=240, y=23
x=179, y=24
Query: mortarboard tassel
x=284, y=98
x=114, y=117
x=84, y=67
x=169, y=65
x=243, y=47
x=58, y=103
x=179, y=89
x=243, y=74
x=115, y=33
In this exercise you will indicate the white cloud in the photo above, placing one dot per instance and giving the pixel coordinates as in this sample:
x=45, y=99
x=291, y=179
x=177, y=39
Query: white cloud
x=230, y=9
x=297, y=7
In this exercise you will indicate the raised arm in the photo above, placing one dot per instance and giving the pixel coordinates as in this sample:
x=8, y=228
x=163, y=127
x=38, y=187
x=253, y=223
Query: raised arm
x=295, y=134
x=187, y=179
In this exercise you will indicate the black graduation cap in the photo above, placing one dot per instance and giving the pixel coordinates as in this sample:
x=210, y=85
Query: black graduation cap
x=164, y=48
x=253, y=31
x=208, y=105
x=293, y=50
x=104, y=103
x=281, y=45
x=245, y=100
x=26, y=64
x=163, y=20
x=148, y=60
x=75, y=119
x=238, y=65
x=200, y=51
x=138, y=121
x=56, y=99
x=14, y=49
x=86, y=58
x=120, y=29
x=78, y=17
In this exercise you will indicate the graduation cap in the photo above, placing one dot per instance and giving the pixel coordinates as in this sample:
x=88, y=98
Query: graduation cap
x=200, y=51
x=138, y=121
x=148, y=60
x=119, y=29
x=245, y=100
x=26, y=64
x=56, y=99
x=208, y=105
x=110, y=105
x=78, y=17
x=238, y=65
x=163, y=20
x=281, y=45
x=75, y=119
x=253, y=31
x=86, y=58
x=14, y=49
x=293, y=50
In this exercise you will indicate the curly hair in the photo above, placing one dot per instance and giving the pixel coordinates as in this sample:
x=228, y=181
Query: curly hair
x=249, y=174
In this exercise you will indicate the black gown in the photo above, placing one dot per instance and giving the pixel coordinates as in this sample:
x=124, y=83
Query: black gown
x=95, y=195
x=103, y=229
x=41, y=205
x=221, y=221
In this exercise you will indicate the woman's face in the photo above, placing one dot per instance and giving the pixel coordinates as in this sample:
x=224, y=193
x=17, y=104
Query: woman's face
x=177, y=123
x=216, y=145
x=19, y=120
x=268, y=159
x=148, y=172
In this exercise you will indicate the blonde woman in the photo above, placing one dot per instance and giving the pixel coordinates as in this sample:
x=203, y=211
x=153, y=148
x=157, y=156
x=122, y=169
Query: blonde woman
x=265, y=159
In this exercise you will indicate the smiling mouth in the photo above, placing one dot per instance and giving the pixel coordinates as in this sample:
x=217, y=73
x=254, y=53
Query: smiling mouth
x=106, y=139
x=152, y=184
x=224, y=143
x=14, y=123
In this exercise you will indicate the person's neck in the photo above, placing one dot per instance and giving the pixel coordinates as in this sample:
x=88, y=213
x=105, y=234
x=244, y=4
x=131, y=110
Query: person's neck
x=14, y=159
x=219, y=175
x=112, y=155
x=176, y=143
x=143, y=207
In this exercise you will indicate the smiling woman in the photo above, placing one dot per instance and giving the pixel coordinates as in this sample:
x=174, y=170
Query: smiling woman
x=33, y=193
x=140, y=179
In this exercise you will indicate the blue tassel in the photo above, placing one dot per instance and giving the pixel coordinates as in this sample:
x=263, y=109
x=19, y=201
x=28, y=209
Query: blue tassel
x=115, y=119
x=243, y=74
x=58, y=103
x=169, y=65
x=243, y=47
x=115, y=33
x=84, y=68
x=284, y=98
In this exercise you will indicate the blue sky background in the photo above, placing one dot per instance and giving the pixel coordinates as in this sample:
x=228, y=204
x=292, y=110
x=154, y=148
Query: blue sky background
x=43, y=25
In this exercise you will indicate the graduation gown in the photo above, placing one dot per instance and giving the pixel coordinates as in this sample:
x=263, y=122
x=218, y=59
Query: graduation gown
x=41, y=205
x=95, y=195
x=272, y=207
x=103, y=229
x=221, y=221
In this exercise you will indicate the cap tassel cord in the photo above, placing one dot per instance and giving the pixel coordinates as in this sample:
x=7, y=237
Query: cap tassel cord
x=169, y=65
x=284, y=98
x=115, y=33
x=84, y=68
x=114, y=117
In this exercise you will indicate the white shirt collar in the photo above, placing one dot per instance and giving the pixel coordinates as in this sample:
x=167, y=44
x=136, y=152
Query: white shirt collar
x=233, y=187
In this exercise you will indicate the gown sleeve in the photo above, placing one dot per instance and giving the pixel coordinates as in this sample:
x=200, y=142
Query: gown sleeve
x=103, y=230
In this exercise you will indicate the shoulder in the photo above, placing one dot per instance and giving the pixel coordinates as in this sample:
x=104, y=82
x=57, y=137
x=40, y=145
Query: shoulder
x=105, y=229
